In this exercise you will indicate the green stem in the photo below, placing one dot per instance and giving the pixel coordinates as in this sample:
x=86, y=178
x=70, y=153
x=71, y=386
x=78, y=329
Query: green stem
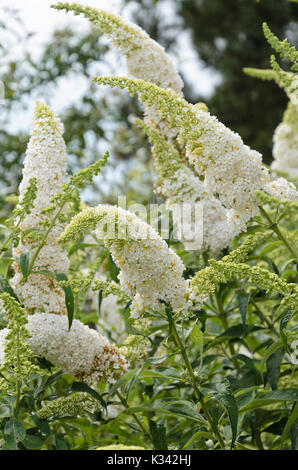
x=140, y=424
x=194, y=383
x=18, y=384
x=223, y=318
x=31, y=265
x=278, y=232
x=263, y=317
x=9, y=237
x=258, y=439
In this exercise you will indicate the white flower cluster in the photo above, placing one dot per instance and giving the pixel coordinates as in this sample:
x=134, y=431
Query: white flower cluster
x=148, y=266
x=45, y=160
x=282, y=189
x=285, y=143
x=145, y=58
x=232, y=172
x=231, y=169
x=80, y=351
x=3, y=334
x=185, y=187
x=110, y=318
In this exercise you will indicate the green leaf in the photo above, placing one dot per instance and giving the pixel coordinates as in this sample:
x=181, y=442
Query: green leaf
x=286, y=317
x=172, y=409
x=113, y=268
x=99, y=300
x=198, y=338
x=47, y=383
x=83, y=387
x=229, y=403
x=250, y=364
x=134, y=378
x=5, y=287
x=33, y=442
x=287, y=394
x=243, y=301
x=69, y=298
x=14, y=432
x=4, y=411
x=61, y=443
x=42, y=425
x=158, y=434
x=270, y=247
x=24, y=264
x=273, y=347
x=273, y=367
x=292, y=419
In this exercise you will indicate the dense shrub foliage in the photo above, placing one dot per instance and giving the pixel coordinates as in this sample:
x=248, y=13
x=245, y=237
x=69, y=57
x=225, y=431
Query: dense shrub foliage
x=170, y=327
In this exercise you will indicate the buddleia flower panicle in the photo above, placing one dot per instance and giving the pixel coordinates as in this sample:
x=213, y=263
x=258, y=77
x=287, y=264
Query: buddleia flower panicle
x=110, y=288
x=45, y=163
x=26, y=202
x=179, y=185
x=276, y=200
x=217, y=153
x=136, y=347
x=80, y=351
x=78, y=181
x=168, y=103
x=146, y=59
x=205, y=281
x=288, y=80
x=74, y=404
x=283, y=48
x=15, y=353
x=282, y=190
x=202, y=285
x=285, y=142
x=285, y=138
x=148, y=266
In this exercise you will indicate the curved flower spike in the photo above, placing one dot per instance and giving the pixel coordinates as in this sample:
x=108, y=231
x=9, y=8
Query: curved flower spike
x=285, y=142
x=231, y=169
x=45, y=161
x=151, y=272
x=146, y=59
x=80, y=351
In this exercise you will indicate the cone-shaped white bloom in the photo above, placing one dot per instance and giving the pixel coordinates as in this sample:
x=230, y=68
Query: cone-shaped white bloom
x=231, y=169
x=282, y=189
x=3, y=334
x=146, y=59
x=45, y=160
x=80, y=351
x=285, y=142
x=148, y=266
x=184, y=187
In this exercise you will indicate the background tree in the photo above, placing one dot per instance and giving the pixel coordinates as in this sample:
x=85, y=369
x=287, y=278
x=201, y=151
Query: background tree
x=227, y=36
x=94, y=121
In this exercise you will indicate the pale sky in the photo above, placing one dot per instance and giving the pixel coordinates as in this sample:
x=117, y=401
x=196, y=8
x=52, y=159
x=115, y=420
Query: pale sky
x=38, y=18
x=41, y=20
